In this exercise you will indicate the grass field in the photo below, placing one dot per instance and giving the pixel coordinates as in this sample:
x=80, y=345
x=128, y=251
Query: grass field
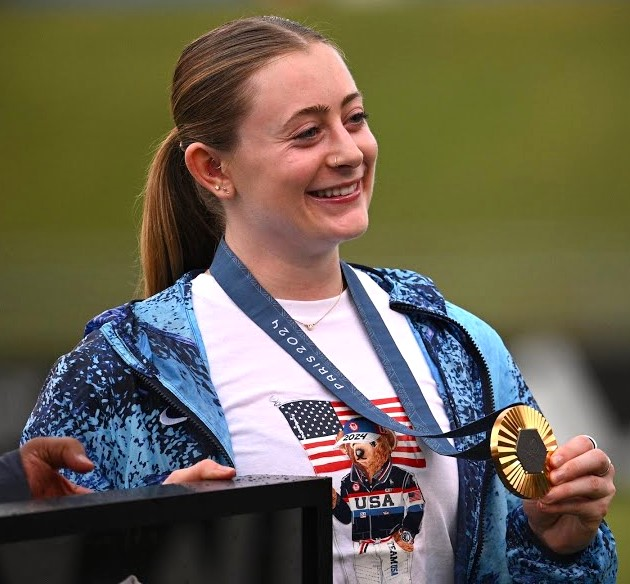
x=503, y=168
x=503, y=172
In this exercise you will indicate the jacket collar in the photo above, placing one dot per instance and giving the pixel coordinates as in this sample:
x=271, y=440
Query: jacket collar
x=162, y=311
x=409, y=288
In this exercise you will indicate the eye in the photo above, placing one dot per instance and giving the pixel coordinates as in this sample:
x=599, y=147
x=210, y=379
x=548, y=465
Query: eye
x=373, y=444
x=358, y=118
x=308, y=134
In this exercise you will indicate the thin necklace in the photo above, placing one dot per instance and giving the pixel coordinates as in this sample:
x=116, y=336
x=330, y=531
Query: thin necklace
x=311, y=325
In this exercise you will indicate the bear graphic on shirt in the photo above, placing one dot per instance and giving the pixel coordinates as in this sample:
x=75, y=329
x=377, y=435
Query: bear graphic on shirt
x=382, y=501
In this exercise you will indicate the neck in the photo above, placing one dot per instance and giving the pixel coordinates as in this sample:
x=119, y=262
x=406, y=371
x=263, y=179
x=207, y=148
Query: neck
x=292, y=276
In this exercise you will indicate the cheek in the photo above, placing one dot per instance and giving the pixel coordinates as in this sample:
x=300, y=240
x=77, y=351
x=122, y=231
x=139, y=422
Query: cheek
x=297, y=170
x=247, y=171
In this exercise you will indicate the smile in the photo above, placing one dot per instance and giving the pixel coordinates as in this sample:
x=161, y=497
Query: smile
x=335, y=192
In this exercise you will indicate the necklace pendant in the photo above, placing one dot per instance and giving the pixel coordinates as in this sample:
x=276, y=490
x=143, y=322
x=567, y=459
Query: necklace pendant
x=311, y=325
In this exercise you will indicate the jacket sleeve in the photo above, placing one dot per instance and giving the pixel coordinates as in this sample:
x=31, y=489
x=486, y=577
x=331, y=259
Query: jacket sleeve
x=13, y=483
x=92, y=395
x=73, y=402
x=529, y=560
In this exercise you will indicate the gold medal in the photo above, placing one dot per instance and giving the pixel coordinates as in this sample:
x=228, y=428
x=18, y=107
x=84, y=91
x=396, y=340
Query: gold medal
x=520, y=443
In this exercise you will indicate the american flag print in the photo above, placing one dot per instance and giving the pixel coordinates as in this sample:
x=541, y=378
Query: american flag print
x=316, y=424
x=415, y=496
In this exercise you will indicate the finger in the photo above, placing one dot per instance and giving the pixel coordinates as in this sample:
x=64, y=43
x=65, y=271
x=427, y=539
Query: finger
x=576, y=446
x=584, y=487
x=607, y=469
x=79, y=490
x=203, y=470
x=54, y=485
x=58, y=452
x=590, y=463
x=587, y=512
x=73, y=455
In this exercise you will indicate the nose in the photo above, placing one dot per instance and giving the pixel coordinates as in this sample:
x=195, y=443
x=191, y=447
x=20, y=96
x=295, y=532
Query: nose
x=359, y=453
x=344, y=151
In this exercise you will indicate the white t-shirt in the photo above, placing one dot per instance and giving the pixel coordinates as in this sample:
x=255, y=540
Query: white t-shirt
x=283, y=421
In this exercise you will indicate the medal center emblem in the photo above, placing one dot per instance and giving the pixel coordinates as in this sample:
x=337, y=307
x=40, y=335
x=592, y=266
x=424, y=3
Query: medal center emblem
x=531, y=450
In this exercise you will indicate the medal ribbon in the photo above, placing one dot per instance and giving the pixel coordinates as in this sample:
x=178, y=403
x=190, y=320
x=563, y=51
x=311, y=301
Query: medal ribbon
x=247, y=293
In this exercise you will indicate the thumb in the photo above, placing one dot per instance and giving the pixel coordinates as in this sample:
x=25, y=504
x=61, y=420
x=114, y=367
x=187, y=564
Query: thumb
x=201, y=471
x=74, y=457
x=58, y=452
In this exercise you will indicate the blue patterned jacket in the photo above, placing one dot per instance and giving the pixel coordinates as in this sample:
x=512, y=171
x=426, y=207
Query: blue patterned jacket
x=146, y=357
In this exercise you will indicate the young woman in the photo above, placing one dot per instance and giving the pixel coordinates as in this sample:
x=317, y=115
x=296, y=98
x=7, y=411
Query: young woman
x=257, y=351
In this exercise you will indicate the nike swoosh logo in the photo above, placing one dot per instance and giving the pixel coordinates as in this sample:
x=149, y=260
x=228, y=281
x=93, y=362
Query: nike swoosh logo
x=166, y=420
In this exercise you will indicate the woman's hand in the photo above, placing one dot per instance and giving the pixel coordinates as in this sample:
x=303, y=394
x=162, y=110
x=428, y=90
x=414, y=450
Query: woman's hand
x=202, y=471
x=567, y=518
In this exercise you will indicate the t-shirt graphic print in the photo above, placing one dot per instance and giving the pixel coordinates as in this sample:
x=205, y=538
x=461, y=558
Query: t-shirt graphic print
x=378, y=505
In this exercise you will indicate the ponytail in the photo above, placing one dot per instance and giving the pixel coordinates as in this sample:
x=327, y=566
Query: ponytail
x=182, y=223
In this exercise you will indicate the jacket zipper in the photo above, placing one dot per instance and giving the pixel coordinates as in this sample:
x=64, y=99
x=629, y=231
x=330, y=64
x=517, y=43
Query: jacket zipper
x=488, y=395
x=180, y=407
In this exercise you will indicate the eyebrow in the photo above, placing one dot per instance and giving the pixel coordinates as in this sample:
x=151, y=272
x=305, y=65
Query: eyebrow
x=322, y=109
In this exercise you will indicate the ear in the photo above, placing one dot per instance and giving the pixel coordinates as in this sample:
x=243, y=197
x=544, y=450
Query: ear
x=390, y=437
x=205, y=165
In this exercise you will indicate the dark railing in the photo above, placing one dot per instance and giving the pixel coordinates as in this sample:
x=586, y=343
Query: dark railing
x=254, y=529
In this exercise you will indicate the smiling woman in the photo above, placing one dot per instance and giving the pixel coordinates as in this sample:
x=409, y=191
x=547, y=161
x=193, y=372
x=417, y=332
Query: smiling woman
x=311, y=188
x=351, y=372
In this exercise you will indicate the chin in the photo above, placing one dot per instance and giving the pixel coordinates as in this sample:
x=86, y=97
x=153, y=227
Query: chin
x=351, y=226
x=355, y=233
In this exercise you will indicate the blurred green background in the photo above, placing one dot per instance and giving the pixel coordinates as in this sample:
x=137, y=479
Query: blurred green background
x=503, y=173
x=503, y=169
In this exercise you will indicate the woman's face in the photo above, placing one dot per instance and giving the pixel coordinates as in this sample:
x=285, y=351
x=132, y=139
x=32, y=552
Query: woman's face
x=302, y=173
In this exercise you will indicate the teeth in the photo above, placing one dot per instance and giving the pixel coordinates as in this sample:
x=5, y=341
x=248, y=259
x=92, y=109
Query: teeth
x=336, y=192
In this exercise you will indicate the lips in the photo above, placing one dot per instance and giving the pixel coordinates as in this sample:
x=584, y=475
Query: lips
x=335, y=191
